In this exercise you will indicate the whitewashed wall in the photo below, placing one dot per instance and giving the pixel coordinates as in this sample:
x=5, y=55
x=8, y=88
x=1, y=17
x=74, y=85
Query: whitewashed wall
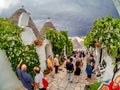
x=109, y=68
x=23, y=19
x=97, y=56
x=108, y=74
x=118, y=72
x=42, y=53
x=8, y=78
x=28, y=36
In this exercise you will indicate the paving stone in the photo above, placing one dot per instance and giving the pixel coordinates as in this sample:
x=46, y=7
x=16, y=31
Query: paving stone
x=60, y=82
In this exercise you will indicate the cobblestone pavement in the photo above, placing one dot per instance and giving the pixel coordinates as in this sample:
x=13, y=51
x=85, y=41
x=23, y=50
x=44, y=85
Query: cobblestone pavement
x=60, y=81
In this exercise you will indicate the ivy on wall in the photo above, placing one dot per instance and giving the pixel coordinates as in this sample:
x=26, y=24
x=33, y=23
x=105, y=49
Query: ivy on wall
x=10, y=41
x=106, y=31
x=59, y=40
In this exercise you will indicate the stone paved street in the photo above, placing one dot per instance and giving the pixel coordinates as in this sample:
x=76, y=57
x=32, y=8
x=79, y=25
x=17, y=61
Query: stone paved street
x=60, y=82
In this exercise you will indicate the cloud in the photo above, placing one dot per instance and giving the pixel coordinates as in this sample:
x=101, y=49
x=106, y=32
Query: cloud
x=5, y=4
x=76, y=16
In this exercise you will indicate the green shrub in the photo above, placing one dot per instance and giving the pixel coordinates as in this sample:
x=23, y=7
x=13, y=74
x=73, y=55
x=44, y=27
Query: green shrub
x=10, y=41
x=94, y=86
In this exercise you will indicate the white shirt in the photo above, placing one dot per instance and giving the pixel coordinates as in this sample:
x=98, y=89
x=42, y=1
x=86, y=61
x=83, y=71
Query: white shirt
x=38, y=79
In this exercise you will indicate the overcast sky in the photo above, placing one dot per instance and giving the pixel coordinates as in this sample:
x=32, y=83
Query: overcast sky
x=75, y=16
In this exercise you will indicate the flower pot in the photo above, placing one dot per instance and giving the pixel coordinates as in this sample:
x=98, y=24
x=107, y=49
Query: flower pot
x=38, y=42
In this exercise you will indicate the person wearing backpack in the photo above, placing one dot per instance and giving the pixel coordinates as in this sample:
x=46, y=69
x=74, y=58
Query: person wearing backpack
x=39, y=85
x=70, y=69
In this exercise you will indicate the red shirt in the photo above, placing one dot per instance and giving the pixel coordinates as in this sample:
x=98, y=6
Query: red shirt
x=111, y=85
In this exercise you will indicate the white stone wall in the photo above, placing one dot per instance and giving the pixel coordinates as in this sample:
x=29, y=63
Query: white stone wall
x=109, y=68
x=28, y=36
x=43, y=54
x=23, y=19
x=118, y=72
x=8, y=78
x=97, y=56
x=108, y=74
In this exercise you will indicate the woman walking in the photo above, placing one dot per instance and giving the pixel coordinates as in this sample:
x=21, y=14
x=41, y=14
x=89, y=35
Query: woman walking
x=77, y=70
x=56, y=63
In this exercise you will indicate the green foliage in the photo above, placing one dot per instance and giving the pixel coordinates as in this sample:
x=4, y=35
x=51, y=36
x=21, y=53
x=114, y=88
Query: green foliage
x=94, y=86
x=107, y=32
x=59, y=40
x=11, y=42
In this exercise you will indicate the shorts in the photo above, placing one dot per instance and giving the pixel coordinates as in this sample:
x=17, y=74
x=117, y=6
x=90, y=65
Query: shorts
x=89, y=76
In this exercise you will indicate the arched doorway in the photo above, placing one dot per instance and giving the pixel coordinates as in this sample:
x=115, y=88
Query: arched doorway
x=47, y=50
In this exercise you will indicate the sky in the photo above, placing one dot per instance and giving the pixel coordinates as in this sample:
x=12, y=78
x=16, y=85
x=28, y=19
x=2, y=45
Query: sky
x=75, y=16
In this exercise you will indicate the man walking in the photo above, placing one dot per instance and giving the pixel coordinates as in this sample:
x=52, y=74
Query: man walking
x=70, y=68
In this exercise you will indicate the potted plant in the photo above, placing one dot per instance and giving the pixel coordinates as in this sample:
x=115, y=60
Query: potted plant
x=38, y=42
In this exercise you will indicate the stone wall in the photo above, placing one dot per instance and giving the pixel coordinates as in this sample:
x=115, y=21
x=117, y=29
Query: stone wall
x=43, y=52
x=8, y=78
x=108, y=74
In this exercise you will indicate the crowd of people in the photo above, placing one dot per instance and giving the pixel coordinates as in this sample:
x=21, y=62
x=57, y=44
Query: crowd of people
x=73, y=65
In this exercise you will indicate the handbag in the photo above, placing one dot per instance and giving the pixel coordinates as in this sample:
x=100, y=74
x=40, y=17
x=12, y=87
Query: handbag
x=45, y=83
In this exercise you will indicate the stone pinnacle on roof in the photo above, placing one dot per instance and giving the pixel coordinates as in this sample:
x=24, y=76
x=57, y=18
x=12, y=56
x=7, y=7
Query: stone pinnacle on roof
x=48, y=25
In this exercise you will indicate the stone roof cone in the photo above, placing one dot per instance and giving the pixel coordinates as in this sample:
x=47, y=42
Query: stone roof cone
x=48, y=25
x=15, y=18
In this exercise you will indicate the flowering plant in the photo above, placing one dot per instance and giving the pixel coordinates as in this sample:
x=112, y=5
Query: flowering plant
x=11, y=42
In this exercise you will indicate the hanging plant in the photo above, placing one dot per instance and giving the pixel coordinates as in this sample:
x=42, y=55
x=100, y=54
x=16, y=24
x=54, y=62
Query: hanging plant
x=38, y=42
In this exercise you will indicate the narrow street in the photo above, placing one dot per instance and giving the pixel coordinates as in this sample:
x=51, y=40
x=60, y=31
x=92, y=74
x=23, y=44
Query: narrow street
x=60, y=82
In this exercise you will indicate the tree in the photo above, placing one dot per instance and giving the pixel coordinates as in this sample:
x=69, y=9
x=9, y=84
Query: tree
x=59, y=40
x=105, y=31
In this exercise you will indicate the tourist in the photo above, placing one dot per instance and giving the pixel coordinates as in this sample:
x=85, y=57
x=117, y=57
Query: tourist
x=77, y=70
x=56, y=63
x=66, y=61
x=114, y=85
x=50, y=65
x=70, y=68
x=92, y=61
x=74, y=59
x=25, y=78
x=89, y=71
x=38, y=79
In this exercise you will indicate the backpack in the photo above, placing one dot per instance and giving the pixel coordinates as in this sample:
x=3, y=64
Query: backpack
x=45, y=83
x=69, y=66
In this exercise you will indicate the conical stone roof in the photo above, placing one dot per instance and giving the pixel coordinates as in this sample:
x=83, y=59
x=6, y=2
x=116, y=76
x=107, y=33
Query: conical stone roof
x=48, y=25
x=15, y=18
